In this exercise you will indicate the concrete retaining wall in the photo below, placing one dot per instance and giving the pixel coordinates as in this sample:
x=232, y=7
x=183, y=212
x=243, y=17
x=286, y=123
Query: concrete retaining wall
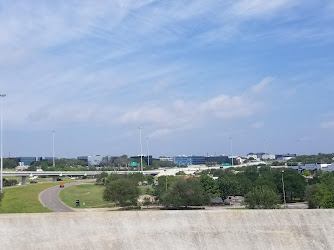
x=212, y=229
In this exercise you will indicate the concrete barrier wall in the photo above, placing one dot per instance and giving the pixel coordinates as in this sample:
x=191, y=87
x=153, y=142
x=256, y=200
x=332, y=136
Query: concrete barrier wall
x=212, y=229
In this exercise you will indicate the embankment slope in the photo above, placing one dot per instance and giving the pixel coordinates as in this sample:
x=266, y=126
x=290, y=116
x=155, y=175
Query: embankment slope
x=212, y=229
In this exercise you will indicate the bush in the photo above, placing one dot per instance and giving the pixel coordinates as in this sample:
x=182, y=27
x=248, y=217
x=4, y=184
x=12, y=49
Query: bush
x=1, y=196
x=9, y=182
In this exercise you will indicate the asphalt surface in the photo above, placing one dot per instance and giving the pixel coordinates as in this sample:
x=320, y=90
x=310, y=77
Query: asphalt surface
x=50, y=198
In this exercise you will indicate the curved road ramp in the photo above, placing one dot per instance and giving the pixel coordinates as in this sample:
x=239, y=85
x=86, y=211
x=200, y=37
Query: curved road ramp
x=211, y=229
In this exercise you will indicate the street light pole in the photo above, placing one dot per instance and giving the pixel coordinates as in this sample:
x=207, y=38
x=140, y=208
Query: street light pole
x=148, y=153
x=141, y=150
x=231, y=150
x=1, y=184
x=283, y=190
x=53, y=148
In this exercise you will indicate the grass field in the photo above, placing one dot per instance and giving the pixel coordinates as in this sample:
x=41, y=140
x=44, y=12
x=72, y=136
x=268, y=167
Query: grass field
x=24, y=199
x=88, y=194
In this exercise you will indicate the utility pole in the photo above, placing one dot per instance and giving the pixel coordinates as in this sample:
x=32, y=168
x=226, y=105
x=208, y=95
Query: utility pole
x=283, y=189
x=53, y=148
x=148, y=153
x=141, y=150
x=1, y=183
x=231, y=150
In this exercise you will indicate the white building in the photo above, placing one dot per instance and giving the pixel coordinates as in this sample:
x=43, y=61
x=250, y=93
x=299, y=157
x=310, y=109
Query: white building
x=92, y=160
x=171, y=159
x=252, y=156
x=268, y=157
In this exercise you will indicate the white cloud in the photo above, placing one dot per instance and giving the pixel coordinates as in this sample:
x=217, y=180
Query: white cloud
x=181, y=115
x=327, y=125
x=258, y=125
x=260, y=8
x=261, y=85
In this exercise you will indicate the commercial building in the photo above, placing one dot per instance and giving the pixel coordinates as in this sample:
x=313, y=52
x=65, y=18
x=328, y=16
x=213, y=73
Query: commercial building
x=314, y=167
x=285, y=157
x=267, y=157
x=92, y=160
x=217, y=159
x=27, y=160
x=189, y=160
x=171, y=159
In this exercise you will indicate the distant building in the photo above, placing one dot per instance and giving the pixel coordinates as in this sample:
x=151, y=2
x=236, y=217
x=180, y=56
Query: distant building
x=285, y=157
x=254, y=156
x=189, y=160
x=28, y=160
x=92, y=160
x=166, y=159
x=217, y=159
x=266, y=157
x=328, y=168
x=258, y=155
x=314, y=167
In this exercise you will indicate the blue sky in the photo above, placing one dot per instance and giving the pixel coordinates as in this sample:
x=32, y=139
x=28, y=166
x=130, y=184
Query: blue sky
x=191, y=73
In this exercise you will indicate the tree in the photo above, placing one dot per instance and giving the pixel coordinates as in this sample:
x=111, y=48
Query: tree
x=9, y=163
x=229, y=185
x=137, y=177
x=307, y=172
x=209, y=185
x=1, y=196
x=322, y=193
x=312, y=196
x=185, y=192
x=262, y=197
x=122, y=191
x=112, y=177
x=101, y=178
x=294, y=183
x=164, y=183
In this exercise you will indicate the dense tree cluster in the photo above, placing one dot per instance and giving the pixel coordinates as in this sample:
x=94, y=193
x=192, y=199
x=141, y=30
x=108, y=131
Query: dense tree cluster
x=308, y=159
x=252, y=181
x=122, y=191
x=124, y=163
x=184, y=193
x=321, y=193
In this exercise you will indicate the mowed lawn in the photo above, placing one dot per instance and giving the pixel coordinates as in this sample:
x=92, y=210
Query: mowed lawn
x=24, y=199
x=89, y=195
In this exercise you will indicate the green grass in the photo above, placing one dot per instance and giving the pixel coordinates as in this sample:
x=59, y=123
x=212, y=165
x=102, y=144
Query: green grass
x=24, y=199
x=89, y=194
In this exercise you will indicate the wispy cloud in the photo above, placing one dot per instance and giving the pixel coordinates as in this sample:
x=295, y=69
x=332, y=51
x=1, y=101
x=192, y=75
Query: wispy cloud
x=327, y=125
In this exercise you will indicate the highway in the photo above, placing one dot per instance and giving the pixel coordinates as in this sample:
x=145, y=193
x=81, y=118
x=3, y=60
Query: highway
x=50, y=198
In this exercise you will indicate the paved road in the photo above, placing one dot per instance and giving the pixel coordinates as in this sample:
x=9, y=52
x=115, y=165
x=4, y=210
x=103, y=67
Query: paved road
x=50, y=198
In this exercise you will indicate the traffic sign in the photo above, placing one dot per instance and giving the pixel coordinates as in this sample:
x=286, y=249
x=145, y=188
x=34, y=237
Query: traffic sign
x=133, y=164
x=225, y=164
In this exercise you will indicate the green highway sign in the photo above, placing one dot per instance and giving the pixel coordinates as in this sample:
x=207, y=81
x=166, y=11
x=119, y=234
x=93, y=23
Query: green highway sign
x=133, y=164
x=225, y=164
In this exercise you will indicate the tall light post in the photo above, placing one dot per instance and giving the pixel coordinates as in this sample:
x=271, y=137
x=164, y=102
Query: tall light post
x=283, y=190
x=1, y=184
x=53, y=148
x=231, y=144
x=148, y=152
x=141, y=149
